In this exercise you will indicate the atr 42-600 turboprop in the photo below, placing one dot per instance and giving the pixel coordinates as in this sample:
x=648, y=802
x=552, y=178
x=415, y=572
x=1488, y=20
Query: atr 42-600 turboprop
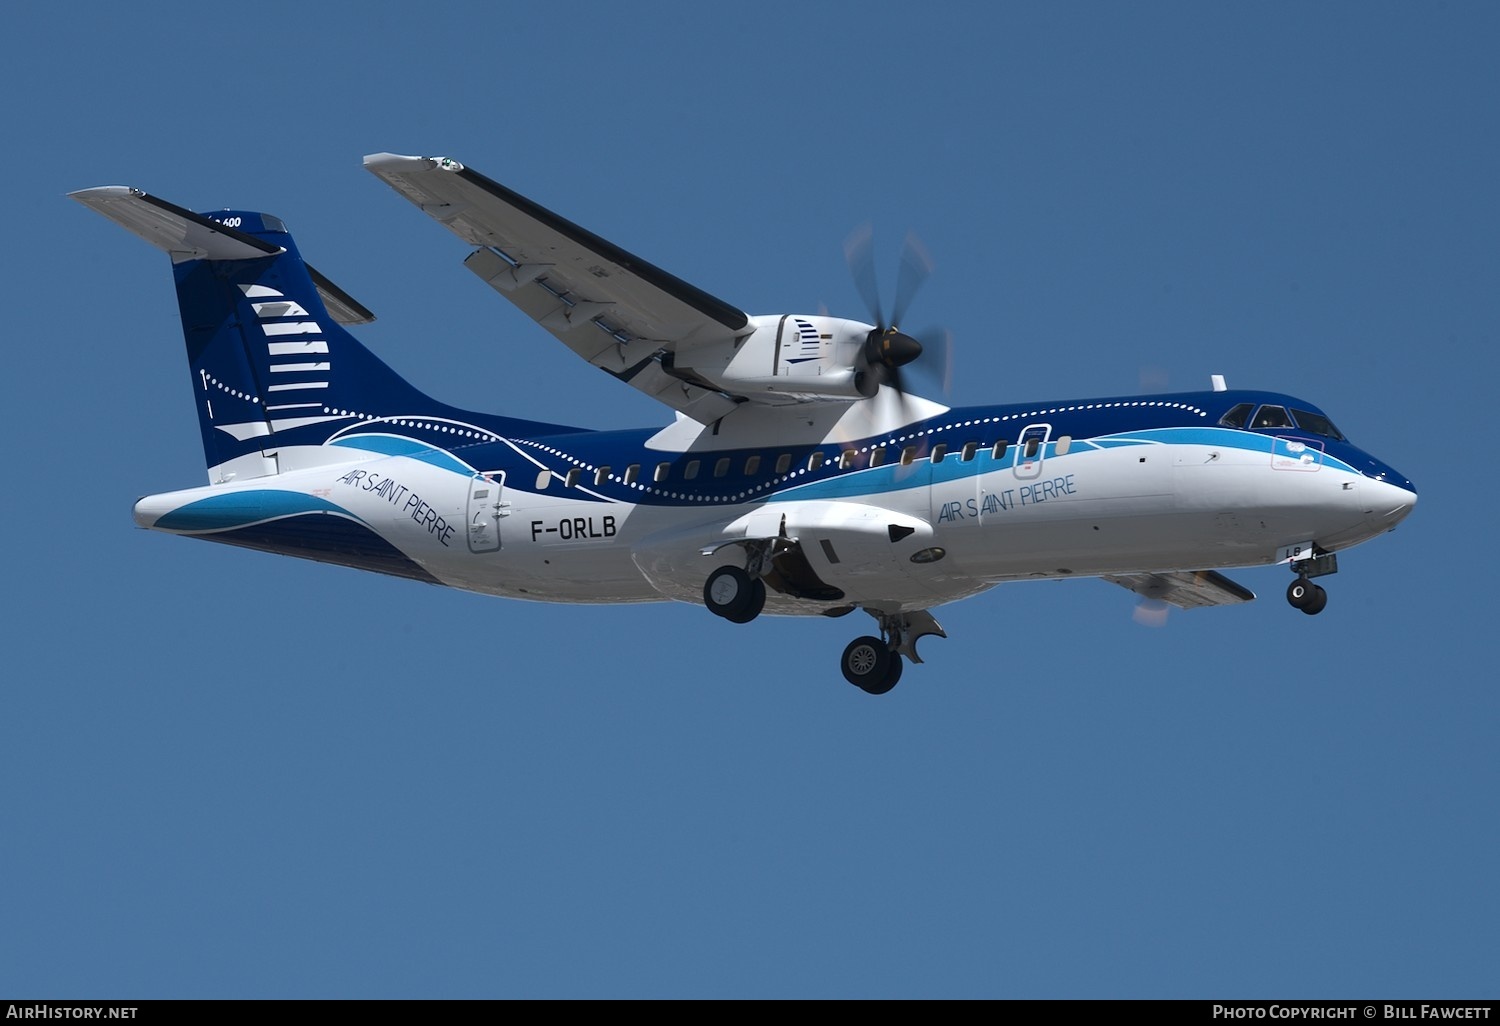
x=800, y=477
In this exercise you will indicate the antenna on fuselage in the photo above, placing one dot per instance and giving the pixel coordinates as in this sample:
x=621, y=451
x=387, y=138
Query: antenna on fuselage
x=1218, y=380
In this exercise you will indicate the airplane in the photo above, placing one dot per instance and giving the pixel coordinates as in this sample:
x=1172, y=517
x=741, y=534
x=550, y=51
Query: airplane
x=800, y=475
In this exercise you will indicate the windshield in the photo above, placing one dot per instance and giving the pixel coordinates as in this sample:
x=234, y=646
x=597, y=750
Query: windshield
x=1317, y=424
x=1236, y=417
x=1271, y=417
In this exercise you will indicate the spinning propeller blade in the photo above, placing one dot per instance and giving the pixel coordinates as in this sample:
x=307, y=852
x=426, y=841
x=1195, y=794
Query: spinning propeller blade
x=887, y=348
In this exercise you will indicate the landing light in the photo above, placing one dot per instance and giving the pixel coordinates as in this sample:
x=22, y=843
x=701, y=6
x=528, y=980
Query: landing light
x=931, y=555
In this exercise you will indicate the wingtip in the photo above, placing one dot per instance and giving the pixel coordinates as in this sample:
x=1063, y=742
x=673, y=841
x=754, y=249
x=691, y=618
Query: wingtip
x=398, y=163
x=374, y=160
x=104, y=193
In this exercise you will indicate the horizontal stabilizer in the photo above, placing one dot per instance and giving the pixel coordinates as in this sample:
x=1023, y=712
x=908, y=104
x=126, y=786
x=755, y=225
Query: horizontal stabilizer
x=181, y=233
x=1184, y=589
x=184, y=235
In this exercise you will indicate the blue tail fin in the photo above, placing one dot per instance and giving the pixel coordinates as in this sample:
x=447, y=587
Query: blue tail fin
x=275, y=374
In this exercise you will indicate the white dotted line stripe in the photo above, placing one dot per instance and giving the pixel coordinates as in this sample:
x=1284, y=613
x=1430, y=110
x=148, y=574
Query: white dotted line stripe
x=832, y=464
x=465, y=431
x=209, y=379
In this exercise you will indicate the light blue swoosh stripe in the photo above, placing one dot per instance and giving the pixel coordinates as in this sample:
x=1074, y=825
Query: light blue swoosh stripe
x=236, y=509
x=395, y=445
x=896, y=477
x=1224, y=438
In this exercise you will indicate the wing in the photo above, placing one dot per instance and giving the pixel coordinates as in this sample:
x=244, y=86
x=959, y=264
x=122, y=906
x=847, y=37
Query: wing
x=1185, y=590
x=615, y=310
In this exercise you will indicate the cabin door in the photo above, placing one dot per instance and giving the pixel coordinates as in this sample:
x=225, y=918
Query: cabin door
x=1031, y=451
x=486, y=507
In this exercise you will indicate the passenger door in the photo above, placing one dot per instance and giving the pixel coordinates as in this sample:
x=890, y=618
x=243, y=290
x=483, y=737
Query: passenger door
x=1031, y=451
x=486, y=507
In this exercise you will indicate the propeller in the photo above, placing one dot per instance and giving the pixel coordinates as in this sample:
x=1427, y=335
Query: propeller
x=1150, y=612
x=887, y=348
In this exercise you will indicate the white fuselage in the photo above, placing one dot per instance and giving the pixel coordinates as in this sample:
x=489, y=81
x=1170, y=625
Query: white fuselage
x=1086, y=511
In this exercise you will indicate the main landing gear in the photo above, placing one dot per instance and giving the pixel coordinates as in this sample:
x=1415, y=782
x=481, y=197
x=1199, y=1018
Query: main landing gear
x=733, y=594
x=1302, y=593
x=872, y=664
x=738, y=594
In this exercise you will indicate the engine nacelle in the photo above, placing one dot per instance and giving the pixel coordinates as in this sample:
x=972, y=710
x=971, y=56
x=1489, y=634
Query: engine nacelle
x=787, y=358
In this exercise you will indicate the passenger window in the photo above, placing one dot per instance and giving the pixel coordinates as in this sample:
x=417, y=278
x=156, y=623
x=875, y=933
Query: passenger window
x=1271, y=417
x=662, y=470
x=1032, y=445
x=877, y=456
x=721, y=467
x=600, y=475
x=783, y=463
x=543, y=479
x=632, y=473
x=1236, y=417
x=815, y=460
x=938, y=452
x=847, y=459
x=690, y=471
x=970, y=448
x=908, y=455
x=752, y=465
x=999, y=451
x=1064, y=443
x=571, y=481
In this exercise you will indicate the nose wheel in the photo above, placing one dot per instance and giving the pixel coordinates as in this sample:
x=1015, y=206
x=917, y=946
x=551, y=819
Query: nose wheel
x=1303, y=594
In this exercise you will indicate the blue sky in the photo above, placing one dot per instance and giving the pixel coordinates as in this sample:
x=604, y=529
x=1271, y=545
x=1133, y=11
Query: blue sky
x=226, y=774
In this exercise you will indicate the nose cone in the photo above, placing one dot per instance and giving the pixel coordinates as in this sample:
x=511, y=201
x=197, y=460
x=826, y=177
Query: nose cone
x=1388, y=499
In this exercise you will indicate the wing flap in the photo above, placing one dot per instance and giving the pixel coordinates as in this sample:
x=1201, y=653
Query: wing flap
x=1191, y=589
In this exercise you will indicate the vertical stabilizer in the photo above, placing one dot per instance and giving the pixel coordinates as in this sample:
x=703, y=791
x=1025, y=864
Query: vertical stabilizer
x=276, y=377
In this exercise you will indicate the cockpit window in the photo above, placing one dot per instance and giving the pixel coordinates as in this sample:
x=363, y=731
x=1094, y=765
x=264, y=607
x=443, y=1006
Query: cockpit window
x=1271, y=417
x=1236, y=417
x=1317, y=424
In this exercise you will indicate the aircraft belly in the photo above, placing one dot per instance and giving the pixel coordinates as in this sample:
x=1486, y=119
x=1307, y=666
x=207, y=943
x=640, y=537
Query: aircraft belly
x=849, y=545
